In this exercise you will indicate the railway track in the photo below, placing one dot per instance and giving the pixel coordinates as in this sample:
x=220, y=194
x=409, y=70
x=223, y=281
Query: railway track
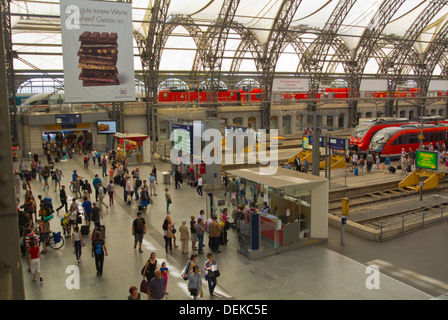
x=398, y=216
x=394, y=207
x=334, y=206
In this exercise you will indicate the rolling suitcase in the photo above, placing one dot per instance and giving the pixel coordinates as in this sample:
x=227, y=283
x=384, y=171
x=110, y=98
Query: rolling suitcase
x=85, y=230
x=356, y=171
x=392, y=169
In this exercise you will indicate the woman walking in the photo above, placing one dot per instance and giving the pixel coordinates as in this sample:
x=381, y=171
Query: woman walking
x=150, y=267
x=111, y=191
x=168, y=199
x=211, y=273
x=195, y=283
x=188, y=269
x=78, y=243
x=167, y=235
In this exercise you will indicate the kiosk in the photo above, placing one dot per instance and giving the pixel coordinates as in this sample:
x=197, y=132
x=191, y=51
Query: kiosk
x=293, y=206
x=135, y=147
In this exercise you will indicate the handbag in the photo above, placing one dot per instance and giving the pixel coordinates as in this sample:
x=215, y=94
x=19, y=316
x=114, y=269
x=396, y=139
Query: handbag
x=144, y=286
x=193, y=292
x=216, y=273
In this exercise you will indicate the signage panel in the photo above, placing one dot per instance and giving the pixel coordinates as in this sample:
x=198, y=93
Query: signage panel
x=427, y=160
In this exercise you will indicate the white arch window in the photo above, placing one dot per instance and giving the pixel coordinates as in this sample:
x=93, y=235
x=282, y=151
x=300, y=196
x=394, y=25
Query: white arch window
x=41, y=85
x=173, y=84
x=339, y=83
x=248, y=82
x=222, y=86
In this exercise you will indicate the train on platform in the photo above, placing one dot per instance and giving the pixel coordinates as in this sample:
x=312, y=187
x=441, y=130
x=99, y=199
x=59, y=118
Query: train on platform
x=392, y=141
x=39, y=102
x=362, y=134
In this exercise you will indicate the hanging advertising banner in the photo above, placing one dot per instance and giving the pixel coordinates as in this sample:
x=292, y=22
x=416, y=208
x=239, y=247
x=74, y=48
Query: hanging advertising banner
x=97, y=48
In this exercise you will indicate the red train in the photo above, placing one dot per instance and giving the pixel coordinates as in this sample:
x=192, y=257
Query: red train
x=363, y=133
x=240, y=95
x=255, y=95
x=391, y=141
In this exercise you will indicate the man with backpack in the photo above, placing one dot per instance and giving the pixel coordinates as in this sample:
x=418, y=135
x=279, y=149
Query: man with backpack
x=98, y=250
x=138, y=230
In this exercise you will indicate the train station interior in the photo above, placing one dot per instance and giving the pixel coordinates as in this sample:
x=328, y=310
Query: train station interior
x=314, y=132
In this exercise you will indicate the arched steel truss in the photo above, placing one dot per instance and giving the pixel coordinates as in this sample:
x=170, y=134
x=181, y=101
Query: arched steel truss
x=318, y=60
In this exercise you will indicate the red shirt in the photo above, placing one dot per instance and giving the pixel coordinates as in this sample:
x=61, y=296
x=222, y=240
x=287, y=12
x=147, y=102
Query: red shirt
x=34, y=252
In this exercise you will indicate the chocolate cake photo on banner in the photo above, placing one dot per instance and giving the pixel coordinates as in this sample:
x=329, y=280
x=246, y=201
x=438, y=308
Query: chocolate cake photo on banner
x=98, y=56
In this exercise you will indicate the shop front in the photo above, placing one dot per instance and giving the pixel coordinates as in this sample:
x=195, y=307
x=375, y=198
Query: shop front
x=293, y=207
x=135, y=147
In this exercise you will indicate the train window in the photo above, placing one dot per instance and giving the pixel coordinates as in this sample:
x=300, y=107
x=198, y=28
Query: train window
x=258, y=96
x=405, y=139
x=398, y=140
x=413, y=138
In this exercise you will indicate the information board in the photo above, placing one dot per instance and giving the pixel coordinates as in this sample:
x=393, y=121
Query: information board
x=68, y=118
x=183, y=138
x=427, y=160
x=337, y=143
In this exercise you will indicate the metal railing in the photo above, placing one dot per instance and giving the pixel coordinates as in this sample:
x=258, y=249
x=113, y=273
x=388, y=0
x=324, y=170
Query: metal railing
x=410, y=222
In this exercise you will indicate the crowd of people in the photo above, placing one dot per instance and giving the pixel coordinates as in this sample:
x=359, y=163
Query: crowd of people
x=83, y=205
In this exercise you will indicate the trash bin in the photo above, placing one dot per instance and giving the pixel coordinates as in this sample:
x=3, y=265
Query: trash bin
x=166, y=177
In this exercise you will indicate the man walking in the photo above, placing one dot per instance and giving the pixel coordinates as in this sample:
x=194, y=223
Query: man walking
x=214, y=234
x=199, y=188
x=157, y=286
x=138, y=230
x=96, y=182
x=63, y=198
x=152, y=184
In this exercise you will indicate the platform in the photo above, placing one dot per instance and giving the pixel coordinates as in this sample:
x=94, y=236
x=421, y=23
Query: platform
x=315, y=273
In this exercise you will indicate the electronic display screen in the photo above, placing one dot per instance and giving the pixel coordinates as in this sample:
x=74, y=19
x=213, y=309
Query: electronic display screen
x=106, y=126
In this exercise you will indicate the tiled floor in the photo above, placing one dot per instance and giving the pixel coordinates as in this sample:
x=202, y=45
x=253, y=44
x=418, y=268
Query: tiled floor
x=410, y=267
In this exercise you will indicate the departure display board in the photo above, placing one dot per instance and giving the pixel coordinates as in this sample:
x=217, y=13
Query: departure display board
x=427, y=160
x=183, y=138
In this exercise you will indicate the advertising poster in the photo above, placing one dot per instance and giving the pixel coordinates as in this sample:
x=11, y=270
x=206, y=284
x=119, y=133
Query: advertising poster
x=427, y=160
x=97, y=48
x=106, y=126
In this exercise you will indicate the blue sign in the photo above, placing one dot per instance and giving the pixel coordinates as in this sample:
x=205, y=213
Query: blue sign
x=68, y=118
x=321, y=142
x=337, y=143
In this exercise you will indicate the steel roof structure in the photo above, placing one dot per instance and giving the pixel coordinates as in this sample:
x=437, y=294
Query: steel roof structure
x=397, y=40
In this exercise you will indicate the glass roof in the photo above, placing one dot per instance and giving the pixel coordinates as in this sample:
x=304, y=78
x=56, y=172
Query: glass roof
x=36, y=31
